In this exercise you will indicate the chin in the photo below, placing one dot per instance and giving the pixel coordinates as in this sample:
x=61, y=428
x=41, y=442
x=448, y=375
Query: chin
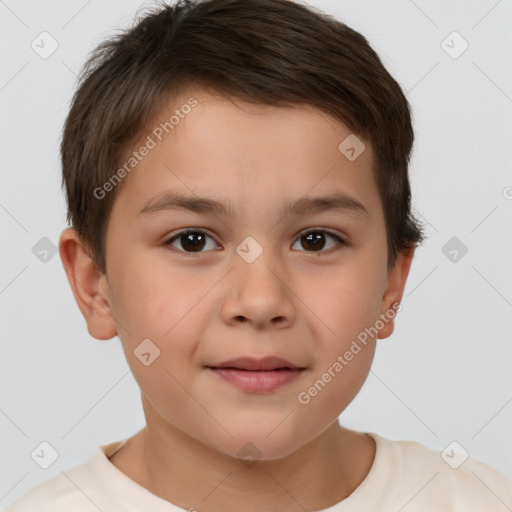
x=256, y=444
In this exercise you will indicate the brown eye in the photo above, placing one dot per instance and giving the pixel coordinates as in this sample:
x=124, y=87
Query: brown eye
x=190, y=241
x=315, y=241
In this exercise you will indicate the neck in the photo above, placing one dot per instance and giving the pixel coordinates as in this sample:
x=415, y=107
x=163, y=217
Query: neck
x=189, y=474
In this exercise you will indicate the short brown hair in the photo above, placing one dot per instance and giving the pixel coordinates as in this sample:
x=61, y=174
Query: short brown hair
x=275, y=52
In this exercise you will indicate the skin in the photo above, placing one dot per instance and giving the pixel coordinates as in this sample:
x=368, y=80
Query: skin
x=303, y=305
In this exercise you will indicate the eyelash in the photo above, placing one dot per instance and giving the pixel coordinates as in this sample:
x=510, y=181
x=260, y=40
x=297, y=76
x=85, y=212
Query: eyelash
x=340, y=241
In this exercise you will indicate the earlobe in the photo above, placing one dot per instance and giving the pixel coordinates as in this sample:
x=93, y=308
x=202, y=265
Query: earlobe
x=396, y=279
x=89, y=285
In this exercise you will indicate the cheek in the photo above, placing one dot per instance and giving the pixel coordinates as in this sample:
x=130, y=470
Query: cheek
x=169, y=312
x=152, y=299
x=345, y=304
x=337, y=378
x=348, y=308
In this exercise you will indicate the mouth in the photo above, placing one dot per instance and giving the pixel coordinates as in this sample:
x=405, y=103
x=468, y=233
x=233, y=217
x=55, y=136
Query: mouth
x=253, y=364
x=256, y=375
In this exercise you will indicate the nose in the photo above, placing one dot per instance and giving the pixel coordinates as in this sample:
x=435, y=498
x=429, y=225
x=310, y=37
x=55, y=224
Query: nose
x=259, y=294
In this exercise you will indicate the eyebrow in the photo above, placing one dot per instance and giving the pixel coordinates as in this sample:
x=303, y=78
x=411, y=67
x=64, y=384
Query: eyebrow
x=336, y=201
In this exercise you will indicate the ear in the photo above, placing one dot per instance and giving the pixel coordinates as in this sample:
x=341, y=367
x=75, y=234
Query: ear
x=396, y=279
x=89, y=285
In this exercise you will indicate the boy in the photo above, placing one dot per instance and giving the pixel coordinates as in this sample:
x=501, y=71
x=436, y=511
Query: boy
x=236, y=174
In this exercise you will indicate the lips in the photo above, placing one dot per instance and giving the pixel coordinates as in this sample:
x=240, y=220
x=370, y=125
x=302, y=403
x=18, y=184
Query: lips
x=256, y=375
x=251, y=364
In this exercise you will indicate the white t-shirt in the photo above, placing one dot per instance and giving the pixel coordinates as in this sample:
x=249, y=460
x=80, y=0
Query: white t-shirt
x=405, y=476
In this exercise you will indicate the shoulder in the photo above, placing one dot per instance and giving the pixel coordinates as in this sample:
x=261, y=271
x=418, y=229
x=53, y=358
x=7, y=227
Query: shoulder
x=79, y=488
x=450, y=479
x=55, y=494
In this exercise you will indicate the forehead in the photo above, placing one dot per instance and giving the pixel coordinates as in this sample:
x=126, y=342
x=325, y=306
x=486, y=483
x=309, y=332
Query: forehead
x=249, y=156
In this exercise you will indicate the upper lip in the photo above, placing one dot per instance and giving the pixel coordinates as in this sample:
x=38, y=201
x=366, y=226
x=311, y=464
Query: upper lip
x=250, y=363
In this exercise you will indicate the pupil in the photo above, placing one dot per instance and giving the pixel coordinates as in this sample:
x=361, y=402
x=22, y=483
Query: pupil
x=195, y=245
x=315, y=240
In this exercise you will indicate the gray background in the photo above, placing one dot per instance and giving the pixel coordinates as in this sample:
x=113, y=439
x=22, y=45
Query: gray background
x=444, y=375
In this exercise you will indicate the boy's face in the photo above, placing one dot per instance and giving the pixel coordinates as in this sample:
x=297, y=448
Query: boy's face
x=212, y=298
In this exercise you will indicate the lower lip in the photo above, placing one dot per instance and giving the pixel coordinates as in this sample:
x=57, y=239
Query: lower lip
x=257, y=380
